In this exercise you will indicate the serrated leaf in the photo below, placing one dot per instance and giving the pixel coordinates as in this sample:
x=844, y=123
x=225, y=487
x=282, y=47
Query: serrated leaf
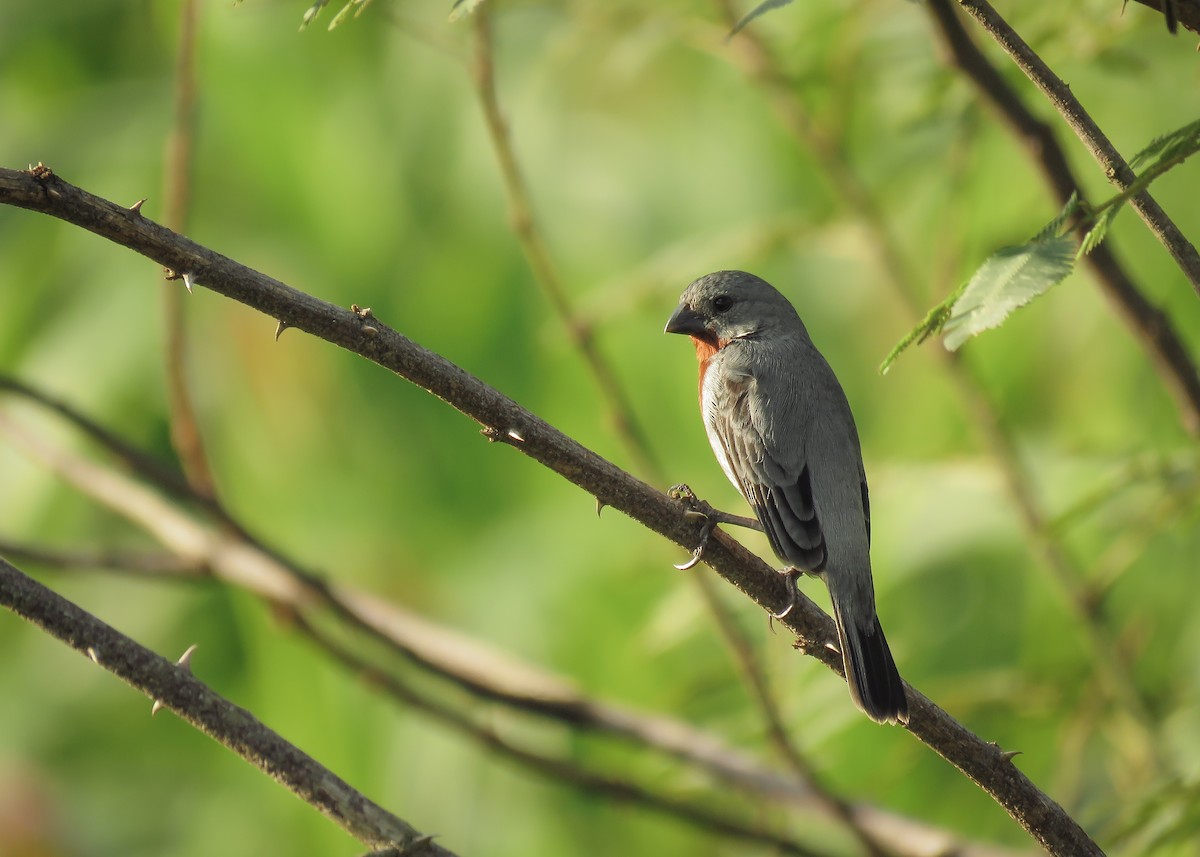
x=1099, y=230
x=1010, y=278
x=759, y=10
x=312, y=12
x=462, y=8
x=1052, y=229
x=1185, y=139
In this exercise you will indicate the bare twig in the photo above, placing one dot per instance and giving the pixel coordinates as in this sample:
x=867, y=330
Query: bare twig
x=1150, y=325
x=143, y=563
x=217, y=717
x=1064, y=101
x=984, y=763
x=610, y=788
x=450, y=656
x=761, y=63
x=185, y=427
x=520, y=213
x=621, y=412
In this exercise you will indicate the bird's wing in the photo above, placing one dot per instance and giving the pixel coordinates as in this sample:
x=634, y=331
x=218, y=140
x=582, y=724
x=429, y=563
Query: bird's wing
x=779, y=491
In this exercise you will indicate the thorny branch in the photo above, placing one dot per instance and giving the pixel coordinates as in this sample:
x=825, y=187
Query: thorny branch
x=237, y=729
x=224, y=558
x=984, y=763
x=621, y=410
x=765, y=68
x=1150, y=325
x=1064, y=101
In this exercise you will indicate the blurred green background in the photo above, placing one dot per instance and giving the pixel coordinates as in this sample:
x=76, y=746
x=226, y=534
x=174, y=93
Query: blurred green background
x=355, y=165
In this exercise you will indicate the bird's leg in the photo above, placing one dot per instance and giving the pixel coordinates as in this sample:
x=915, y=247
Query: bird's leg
x=792, y=574
x=698, y=508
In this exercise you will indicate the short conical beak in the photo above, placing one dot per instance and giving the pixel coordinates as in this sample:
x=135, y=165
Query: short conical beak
x=685, y=320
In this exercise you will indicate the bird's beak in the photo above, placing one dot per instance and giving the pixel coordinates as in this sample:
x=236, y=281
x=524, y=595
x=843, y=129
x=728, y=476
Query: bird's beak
x=685, y=320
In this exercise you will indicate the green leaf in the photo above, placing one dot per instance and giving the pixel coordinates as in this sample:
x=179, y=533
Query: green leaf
x=929, y=326
x=1099, y=229
x=1010, y=278
x=312, y=12
x=760, y=9
x=1054, y=228
x=462, y=8
x=1182, y=141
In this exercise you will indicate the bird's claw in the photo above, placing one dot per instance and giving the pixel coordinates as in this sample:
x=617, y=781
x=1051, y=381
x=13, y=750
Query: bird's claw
x=793, y=594
x=705, y=532
x=696, y=508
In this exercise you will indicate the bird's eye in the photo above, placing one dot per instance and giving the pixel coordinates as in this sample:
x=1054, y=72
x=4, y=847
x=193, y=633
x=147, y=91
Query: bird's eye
x=722, y=302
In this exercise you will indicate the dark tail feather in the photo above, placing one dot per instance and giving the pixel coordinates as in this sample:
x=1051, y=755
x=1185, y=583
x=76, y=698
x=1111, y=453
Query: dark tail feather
x=875, y=684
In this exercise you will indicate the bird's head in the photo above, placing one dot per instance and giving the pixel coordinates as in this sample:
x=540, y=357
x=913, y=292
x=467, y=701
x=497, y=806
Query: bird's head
x=727, y=305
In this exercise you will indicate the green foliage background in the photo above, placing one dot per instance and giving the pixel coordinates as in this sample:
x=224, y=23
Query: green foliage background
x=354, y=165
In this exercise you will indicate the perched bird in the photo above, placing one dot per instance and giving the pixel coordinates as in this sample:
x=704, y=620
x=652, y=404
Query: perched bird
x=782, y=431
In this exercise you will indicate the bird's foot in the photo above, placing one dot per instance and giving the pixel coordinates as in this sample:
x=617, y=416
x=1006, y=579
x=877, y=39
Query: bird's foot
x=696, y=508
x=792, y=574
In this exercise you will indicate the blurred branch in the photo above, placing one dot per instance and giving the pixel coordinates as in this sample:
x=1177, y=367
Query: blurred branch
x=621, y=791
x=176, y=688
x=185, y=428
x=765, y=68
x=1064, y=101
x=1151, y=326
x=1187, y=11
x=505, y=421
x=529, y=236
x=143, y=564
x=621, y=412
x=452, y=657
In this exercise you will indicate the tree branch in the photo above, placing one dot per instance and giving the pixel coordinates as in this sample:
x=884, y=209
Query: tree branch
x=1064, y=101
x=235, y=728
x=505, y=421
x=765, y=67
x=450, y=656
x=1151, y=325
x=745, y=658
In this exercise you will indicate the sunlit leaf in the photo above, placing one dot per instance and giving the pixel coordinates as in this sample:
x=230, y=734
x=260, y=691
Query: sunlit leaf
x=462, y=8
x=1011, y=278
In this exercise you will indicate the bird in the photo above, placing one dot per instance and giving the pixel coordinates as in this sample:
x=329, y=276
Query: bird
x=782, y=430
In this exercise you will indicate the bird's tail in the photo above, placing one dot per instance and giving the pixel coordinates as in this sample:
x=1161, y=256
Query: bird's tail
x=875, y=684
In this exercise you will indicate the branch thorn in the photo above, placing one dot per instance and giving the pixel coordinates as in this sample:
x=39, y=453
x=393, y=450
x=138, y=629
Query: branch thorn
x=188, y=279
x=280, y=328
x=136, y=208
x=91, y=653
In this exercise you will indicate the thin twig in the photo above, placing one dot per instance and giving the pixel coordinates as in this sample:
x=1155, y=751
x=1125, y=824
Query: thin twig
x=984, y=763
x=235, y=728
x=185, y=427
x=1068, y=106
x=1151, y=326
x=483, y=674
x=610, y=788
x=582, y=334
x=621, y=412
x=142, y=563
x=1115, y=670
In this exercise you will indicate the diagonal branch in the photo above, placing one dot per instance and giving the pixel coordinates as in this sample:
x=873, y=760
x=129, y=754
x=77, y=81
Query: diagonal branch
x=746, y=660
x=1114, y=672
x=1064, y=101
x=507, y=422
x=1151, y=325
x=237, y=729
x=447, y=655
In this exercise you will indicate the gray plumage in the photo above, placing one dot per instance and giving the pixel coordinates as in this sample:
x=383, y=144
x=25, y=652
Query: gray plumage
x=781, y=428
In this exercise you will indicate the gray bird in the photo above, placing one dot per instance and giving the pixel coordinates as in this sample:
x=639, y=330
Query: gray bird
x=781, y=428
